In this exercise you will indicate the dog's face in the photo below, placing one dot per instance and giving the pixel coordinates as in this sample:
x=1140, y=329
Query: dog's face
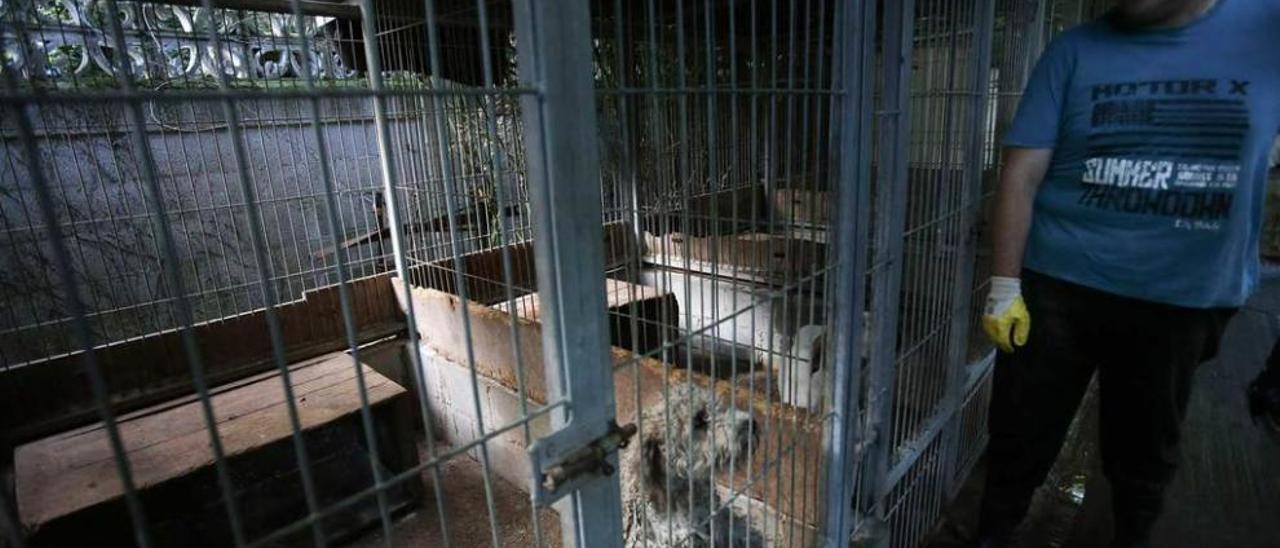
x=706, y=434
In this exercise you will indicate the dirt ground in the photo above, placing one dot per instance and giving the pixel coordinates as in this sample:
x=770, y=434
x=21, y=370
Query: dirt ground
x=467, y=515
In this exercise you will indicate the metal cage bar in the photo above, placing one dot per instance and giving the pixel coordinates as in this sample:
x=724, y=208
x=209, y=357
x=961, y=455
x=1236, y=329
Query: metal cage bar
x=186, y=320
x=961, y=305
x=845, y=443
x=791, y=188
x=82, y=332
x=891, y=203
x=565, y=200
x=342, y=271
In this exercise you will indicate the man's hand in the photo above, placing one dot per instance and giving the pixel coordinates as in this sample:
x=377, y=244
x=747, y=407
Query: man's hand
x=1006, y=319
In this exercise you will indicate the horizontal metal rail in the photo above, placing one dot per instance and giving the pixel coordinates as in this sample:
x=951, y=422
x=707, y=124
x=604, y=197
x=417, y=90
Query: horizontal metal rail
x=342, y=9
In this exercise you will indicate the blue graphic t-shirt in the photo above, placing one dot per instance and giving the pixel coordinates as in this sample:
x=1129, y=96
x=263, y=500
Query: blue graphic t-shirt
x=1160, y=140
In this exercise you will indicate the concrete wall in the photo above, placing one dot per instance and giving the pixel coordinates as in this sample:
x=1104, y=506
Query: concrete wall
x=89, y=158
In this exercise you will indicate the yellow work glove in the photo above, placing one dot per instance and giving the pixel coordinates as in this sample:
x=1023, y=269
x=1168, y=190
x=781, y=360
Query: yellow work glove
x=1006, y=319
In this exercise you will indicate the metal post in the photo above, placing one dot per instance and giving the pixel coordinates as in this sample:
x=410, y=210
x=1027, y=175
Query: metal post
x=852, y=129
x=564, y=193
x=984, y=26
x=895, y=129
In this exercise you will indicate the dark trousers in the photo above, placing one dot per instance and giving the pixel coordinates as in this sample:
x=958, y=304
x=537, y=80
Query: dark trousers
x=1144, y=353
x=1273, y=359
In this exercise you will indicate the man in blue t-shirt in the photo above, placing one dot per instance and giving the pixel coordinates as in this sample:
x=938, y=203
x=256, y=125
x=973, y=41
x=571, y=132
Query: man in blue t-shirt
x=1127, y=224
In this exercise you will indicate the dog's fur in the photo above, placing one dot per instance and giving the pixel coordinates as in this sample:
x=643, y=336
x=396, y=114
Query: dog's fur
x=668, y=491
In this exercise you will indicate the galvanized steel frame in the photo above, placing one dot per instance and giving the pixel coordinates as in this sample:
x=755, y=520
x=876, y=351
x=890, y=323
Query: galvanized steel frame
x=883, y=470
x=984, y=26
x=554, y=48
x=851, y=128
x=895, y=129
x=566, y=201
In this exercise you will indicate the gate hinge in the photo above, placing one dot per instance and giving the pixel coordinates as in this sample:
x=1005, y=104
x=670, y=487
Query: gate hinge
x=557, y=478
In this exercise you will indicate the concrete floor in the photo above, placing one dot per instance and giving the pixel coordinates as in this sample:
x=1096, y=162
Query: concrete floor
x=1227, y=492
x=467, y=514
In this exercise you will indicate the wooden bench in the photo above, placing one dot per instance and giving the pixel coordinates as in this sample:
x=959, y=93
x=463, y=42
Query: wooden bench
x=69, y=492
x=654, y=311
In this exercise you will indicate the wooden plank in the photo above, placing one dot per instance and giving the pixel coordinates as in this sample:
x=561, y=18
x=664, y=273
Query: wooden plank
x=440, y=224
x=485, y=280
x=721, y=212
x=641, y=318
x=68, y=472
x=618, y=294
x=758, y=257
x=802, y=207
x=39, y=398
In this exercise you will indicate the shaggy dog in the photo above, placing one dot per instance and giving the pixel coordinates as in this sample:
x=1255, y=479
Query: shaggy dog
x=669, y=498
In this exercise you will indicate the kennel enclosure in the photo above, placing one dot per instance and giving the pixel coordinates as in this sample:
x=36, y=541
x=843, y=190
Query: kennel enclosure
x=279, y=271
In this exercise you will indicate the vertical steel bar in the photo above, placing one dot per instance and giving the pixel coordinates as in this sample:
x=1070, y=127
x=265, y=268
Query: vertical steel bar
x=270, y=297
x=341, y=267
x=564, y=170
x=686, y=178
x=448, y=186
x=713, y=189
x=800, y=181
x=394, y=214
x=736, y=174
x=656, y=126
x=1035, y=40
x=772, y=172
x=855, y=26
x=890, y=221
x=785, y=178
x=182, y=305
x=506, y=234
x=984, y=24
x=625, y=61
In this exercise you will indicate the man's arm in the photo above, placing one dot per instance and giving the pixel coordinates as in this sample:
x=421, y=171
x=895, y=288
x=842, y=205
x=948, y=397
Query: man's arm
x=1006, y=318
x=1030, y=140
x=1024, y=168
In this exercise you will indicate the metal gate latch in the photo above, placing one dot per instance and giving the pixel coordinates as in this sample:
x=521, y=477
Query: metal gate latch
x=590, y=459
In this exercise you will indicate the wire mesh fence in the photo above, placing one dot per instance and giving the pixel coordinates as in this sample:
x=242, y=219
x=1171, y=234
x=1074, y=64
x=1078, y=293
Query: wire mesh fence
x=724, y=169
x=60, y=50
x=300, y=272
